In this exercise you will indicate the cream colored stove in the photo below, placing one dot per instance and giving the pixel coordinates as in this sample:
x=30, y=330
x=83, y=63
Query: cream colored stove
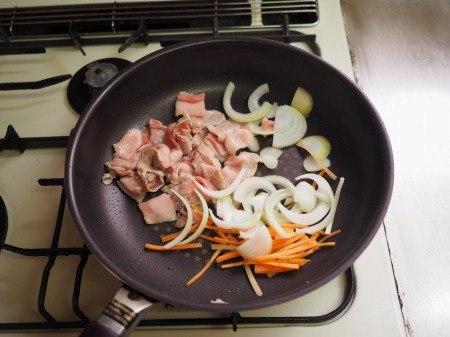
x=31, y=190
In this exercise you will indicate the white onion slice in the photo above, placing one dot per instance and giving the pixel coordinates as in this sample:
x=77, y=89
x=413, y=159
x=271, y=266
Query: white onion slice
x=203, y=222
x=250, y=186
x=311, y=165
x=318, y=145
x=327, y=220
x=317, y=214
x=269, y=156
x=336, y=198
x=302, y=101
x=307, y=197
x=259, y=244
x=290, y=126
x=187, y=226
x=221, y=193
x=269, y=210
x=242, y=117
x=255, y=96
x=237, y=221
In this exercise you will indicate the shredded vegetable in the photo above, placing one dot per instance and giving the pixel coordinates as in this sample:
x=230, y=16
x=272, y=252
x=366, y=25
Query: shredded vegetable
x=265, y=224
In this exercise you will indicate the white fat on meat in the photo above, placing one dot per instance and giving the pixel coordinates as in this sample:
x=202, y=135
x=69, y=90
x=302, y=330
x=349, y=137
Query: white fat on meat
x=156, y=131
x=133, y=186
x=158, y=209
x=127, y=146
x=237, y=140
x=209, y=120
x=234, y=164
x=191, y=104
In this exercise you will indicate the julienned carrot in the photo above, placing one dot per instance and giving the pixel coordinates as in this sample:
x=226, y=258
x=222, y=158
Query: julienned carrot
x=177, y=247
x=170, y=237
x=287, y=254
x=205, y=268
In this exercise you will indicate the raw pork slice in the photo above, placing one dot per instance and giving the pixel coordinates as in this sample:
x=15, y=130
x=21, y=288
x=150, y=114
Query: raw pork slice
x=158, y=209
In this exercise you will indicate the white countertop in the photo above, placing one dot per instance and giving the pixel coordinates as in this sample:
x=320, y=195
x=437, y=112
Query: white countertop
x=401, y=54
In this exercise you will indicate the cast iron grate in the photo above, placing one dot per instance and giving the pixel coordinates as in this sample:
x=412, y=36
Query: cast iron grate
x=54, y=251
x=32, y=29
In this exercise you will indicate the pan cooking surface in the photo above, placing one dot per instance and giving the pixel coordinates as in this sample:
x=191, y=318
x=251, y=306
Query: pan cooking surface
x=111, y=223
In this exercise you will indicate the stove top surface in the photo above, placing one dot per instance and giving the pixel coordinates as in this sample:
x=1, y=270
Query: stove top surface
x=31, y=190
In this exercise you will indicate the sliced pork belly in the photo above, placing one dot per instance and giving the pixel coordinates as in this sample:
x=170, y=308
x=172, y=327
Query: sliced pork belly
x=234, y=164
x=157, y=131
x=158, y=209
x=122, y=167
x=133, y=186
x=218, y=148
x=210, y=119
x=129, y=143
x=221, y=130
x=211, y=173
x=191, y=104
x=237, y=140
x=267, y=124
x=182, y=135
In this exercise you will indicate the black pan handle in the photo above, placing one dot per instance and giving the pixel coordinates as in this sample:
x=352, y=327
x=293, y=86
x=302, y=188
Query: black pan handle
x=121, y=315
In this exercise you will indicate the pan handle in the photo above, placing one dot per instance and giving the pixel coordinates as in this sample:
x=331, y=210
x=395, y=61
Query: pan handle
x=121, y=315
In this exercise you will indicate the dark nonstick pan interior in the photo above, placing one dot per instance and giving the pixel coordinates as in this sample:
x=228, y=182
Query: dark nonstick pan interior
x=111, y=223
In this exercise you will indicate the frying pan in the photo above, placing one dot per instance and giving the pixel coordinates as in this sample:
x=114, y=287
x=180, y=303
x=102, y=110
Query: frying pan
x=112, y=226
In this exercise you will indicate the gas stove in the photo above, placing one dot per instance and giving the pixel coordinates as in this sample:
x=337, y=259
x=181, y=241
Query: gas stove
x=49, y=281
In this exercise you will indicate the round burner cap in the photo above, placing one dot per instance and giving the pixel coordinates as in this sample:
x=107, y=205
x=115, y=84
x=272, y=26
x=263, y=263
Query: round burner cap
x=79, y=91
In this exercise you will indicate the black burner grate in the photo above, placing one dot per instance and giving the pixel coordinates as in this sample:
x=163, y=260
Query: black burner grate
x=32, y=29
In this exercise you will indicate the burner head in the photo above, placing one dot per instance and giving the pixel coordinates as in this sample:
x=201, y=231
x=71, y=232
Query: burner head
x=90, y=79
x=3, y=222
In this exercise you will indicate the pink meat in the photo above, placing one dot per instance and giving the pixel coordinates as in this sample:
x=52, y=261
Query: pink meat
x=211, y=173
x=129, y=144
x=133, y=186
x=182, y=135
x=237, y=140
x=267, y=124
x=158, y=209
x=190, y=104
x=219, y=149
x=234, y=164
x=210, y=119
x=122, y=167
x=157, y=131
x=223, y=129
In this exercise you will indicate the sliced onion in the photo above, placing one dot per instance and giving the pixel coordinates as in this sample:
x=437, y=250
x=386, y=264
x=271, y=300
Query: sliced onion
x=286, y=183
x=302, y=101
x=269, y=156
x=316, y=215
x=311, y=165
x=250, y=186
x=318, y=145
x=269, y=210
x=307, y=196
x=336, y=198
x=203, y=222
x=243, y=223
x=255, y=96
x=290, y=126
x=242, y=117
x=221, y=193
x=259, y=244
x=327, y=220
x=187, y=226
